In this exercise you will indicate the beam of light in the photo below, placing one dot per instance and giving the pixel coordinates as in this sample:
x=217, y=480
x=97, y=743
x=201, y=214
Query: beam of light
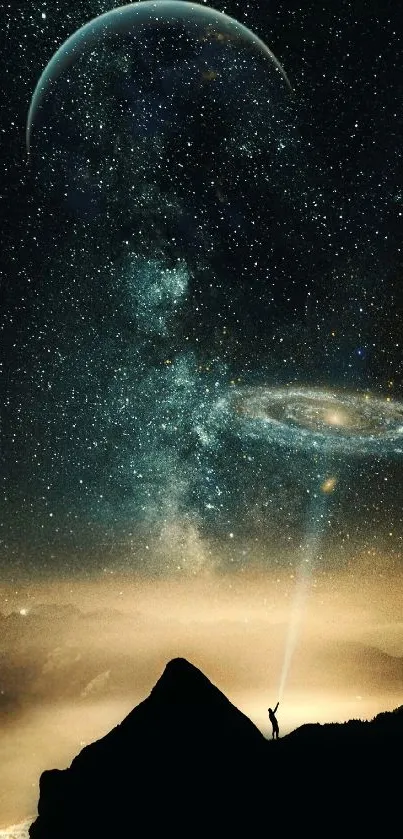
x=310, y=551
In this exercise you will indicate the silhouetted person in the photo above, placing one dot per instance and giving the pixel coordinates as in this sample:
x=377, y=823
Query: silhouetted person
x=273, y=720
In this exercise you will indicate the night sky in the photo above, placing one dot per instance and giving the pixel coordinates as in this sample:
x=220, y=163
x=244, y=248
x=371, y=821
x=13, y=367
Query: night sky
x=201, y=350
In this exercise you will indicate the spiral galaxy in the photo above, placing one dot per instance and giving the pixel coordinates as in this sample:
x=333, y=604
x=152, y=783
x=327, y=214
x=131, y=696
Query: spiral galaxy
x=324, y=420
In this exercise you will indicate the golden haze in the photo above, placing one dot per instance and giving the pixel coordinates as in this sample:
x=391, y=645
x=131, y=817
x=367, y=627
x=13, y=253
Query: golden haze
x=78, y=655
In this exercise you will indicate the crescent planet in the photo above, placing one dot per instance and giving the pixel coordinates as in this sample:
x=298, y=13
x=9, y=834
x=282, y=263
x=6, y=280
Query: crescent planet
x=134, y=16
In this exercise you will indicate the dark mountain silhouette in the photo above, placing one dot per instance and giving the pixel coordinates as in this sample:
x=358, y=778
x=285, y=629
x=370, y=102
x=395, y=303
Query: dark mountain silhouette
x=188, y=763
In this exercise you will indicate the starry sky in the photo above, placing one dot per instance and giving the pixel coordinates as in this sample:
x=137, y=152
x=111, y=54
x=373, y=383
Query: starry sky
x=202, y=399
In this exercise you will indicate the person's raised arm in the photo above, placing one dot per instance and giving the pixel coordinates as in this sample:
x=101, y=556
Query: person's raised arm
x=276, y=707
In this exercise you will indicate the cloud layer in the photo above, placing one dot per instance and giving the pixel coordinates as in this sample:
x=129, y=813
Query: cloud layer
x=77, y=656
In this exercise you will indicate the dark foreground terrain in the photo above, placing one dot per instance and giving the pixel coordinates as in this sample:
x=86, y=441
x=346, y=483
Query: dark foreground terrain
x=186, y=762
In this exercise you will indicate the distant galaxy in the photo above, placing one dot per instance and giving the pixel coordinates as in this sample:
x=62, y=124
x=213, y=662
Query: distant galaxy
x=321, y=420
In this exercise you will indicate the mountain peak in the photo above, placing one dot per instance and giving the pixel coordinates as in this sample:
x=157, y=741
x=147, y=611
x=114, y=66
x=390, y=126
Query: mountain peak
x=181, y=679
x=187, y=761
x=186, y=735
x=180, y=668
x=184, y=702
